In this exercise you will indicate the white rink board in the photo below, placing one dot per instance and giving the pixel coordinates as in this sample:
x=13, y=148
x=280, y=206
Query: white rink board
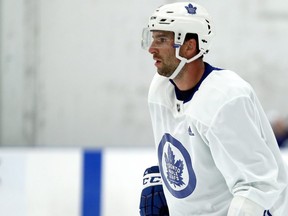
x=12, y=183
x=42, y=182
x=49, y=182
x=122, y=179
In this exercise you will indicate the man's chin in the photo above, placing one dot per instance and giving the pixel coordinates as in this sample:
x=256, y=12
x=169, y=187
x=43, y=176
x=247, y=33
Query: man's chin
x=164, y=74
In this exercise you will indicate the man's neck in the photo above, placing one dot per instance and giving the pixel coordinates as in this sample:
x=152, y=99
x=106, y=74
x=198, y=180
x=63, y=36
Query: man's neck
x=190, y=75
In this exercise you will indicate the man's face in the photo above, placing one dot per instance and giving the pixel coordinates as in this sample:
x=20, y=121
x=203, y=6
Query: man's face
x=163, y=52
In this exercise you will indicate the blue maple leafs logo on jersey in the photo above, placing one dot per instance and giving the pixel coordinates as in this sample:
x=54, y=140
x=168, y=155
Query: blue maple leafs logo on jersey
x=190, y=9
x=174, y=169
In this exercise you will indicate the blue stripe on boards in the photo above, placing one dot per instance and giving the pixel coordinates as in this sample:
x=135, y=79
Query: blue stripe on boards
x=91, y=189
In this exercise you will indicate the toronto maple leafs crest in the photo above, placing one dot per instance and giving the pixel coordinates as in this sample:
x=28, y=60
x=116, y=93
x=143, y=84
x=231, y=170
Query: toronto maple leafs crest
x=174, y=169
x=190, y=9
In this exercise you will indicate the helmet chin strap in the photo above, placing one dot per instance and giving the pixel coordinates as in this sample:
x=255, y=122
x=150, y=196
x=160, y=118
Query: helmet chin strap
x=183, y=61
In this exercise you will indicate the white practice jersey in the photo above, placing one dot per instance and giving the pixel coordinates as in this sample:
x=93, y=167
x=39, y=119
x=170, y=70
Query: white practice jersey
x=215, y=145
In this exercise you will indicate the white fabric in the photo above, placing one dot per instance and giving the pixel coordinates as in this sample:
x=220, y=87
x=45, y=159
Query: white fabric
x=241, y=206
x=216, y=146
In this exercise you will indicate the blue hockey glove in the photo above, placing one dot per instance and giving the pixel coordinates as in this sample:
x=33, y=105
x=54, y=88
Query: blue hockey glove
x=153, y=202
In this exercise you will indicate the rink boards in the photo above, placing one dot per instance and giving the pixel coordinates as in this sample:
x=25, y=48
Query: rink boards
x=74, y=182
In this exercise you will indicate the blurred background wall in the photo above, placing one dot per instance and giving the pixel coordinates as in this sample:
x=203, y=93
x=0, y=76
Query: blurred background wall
x=72, y=73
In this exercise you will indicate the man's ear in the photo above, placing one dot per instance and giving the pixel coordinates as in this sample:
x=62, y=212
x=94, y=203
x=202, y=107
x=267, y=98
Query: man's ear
x=189, y=48
x=191, y=45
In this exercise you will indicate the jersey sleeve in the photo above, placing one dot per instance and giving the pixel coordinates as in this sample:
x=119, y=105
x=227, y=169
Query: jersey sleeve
x=244, y=152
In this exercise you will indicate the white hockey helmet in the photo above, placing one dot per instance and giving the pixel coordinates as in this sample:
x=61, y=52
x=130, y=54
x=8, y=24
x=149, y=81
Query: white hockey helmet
x=181, y=18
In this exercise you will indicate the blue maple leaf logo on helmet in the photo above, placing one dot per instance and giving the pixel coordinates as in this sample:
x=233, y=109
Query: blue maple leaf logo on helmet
x=190, y=9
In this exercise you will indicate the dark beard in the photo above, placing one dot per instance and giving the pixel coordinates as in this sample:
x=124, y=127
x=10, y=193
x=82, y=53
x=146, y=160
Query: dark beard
x=166, y=71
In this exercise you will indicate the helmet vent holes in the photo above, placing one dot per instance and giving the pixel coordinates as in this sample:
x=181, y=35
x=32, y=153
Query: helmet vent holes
x=165, y=21
x=169, y=11
x=208, y=25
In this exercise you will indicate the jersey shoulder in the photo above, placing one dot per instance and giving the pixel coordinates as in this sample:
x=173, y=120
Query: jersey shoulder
x=219, y=88
x=226, y=83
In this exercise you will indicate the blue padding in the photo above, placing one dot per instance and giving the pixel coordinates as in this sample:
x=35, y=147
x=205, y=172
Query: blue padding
x=91, y=192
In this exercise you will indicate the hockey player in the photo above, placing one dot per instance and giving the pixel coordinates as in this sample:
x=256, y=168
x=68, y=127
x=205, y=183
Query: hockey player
x=217, y=153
